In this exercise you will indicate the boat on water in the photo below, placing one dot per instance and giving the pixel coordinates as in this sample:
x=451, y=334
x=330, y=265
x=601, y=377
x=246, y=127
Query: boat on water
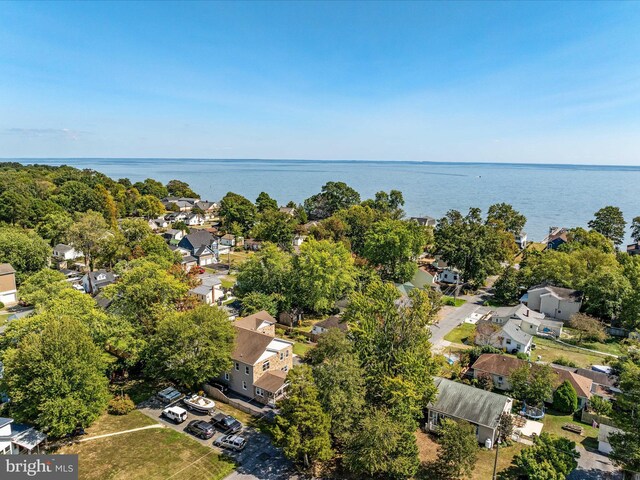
x=199, y=403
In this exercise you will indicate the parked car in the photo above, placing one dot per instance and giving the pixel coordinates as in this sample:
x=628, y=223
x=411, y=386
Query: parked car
x=200, y=428
x=169, y=395
x=176, y=414
x=233, y=442
x=226, y=423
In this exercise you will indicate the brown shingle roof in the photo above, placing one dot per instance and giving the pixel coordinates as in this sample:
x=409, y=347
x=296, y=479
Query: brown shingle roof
x=252, y=322
x=250, y=345
x=6, y=268
x=332, y=322
x=272, y=381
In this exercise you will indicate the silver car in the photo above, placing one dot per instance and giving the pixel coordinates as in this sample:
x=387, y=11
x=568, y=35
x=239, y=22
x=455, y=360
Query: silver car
x=233, y=442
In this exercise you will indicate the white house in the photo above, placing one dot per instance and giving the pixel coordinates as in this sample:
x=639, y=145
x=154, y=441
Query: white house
x=93, y=282
x=212, y=282
x=299, y=240
x=194, y=219
x=449, y=275
x=509, y=337
x=228, y=240
x=521, y=240
x=8, y=290
x=65, y=252
x=18, y=439
x=325, y=325
x=554, y=302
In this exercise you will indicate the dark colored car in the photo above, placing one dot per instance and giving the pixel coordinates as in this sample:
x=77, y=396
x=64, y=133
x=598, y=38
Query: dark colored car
x=226, y=423
x=200, y=428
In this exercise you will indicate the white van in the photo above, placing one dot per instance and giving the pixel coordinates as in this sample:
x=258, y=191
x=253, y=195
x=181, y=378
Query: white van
x=177, y=414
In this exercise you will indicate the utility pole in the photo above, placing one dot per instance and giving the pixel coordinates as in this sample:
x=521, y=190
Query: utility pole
x=495, y=461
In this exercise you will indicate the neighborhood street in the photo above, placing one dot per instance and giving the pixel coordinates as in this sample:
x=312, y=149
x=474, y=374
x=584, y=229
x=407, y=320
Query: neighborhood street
x=451, y=317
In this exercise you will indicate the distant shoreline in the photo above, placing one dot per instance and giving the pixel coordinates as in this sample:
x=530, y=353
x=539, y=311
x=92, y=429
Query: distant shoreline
x=569, y=166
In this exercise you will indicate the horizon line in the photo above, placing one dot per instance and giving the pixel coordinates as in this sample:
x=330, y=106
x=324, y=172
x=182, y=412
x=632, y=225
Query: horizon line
x=433, y=162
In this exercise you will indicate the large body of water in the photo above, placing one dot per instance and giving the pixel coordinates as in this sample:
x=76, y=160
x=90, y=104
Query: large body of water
x=549, y=195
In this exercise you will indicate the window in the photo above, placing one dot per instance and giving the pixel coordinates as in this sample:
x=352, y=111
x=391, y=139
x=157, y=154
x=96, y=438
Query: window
x=265, y=366
x=244, y=385
x=287, y=354
x=259, y=392
x=6, y=451
x=237, y=366
x=226, y=376
x=281, y=355
x=499, y=379
x=246, y=370
x=285, y=368
x=508, y=341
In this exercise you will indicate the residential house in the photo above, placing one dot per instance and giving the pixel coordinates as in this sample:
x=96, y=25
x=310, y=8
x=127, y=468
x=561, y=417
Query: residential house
x=449, y=275
x=183, y=203
x=205, y=256
x=203, y=293
x=173, y=234
x=228, y=240
x=260, y=360
x=509, y=337
x=65, y=252
x=16, y=439
x=210, y=289
x=633, y=249
x=200, y=243
x=8, y=290
x=328, y=323
x=209, y=208
x=188, y=262
x=425, y=277
x=299, y=240
x=557, y=236
x=194, y=220
x=176, y=217
x=555, y=302
x=530, y=321
x=499, y=367
x=288, y=210
x=157, y=223
x=93, y=282
x=425, y=221
x=458, y=401
x=521, y=240
x=603, y=384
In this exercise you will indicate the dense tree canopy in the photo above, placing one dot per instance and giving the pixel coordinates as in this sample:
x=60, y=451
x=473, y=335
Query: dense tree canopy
x=532, y=383
x=264, y=202
x=178, y=188
x=504, y=217
x=24, y=250
x=610, y=222
x=333, y=197
x=550, y=457
x=458, y=449
x=237, y=213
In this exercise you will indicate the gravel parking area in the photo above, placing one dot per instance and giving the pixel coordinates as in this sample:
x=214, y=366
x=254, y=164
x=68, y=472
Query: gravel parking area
x=260, y=460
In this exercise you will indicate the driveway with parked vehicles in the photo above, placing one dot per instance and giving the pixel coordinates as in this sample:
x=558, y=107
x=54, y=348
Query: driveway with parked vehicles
x=258, y=460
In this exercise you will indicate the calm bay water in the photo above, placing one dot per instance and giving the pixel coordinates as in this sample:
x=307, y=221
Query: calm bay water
x=559, y=195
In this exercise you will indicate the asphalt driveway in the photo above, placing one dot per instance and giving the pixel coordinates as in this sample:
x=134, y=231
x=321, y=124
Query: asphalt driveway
x=260, y=460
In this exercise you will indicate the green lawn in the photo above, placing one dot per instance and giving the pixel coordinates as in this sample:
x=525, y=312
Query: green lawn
x=550, y=350
x=228, y=281
x=4, y=317
x=461, y=334
x=300, y=348
x=610, y=345
x=157, y=453
x=554, y=421
x=447, y=300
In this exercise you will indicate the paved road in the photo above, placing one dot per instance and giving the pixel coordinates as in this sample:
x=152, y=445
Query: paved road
x=260, y=460
x=594, y=466
x=455, y=316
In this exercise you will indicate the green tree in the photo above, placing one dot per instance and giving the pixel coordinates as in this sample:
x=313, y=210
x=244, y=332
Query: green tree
x=324, y=273
x=550, y=458
x=381, y=447
x=630, y=313
x=275, y=227
x=626, y=444
x=507, y=287
x=388, y=203
x=191, y=347
x=356, y=222
x=55, y=377
x=236, y=209
x=393, y=246
x=109, y=207
x=302, y=428
x=589, y=328
x=135, y=230
x=75, y=196
x=144, y=293
x=264, y=202
x=565, y=398
x=504, y=217
x=177, y=188
x=466, y=243
x=580, y=238
x=86, y=234
x=267, y=271
x=255, y=302
x=54, y=227
x=635, y=229
x=151, y=187
x=609, y=221
x=333, y=197
x=505, y=427
x=532, y=383
x=42, y=286
x=605, y=291
x=149, y=206
x=336, y=371
x=400, y=379
x=25, y=251
x=457, y=449
x=14, y=207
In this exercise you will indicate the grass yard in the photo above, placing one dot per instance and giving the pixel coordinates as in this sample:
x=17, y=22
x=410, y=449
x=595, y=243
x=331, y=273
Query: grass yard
x=550, y=350
x=228, y=281
x=116, y=423
x=428, y=452
x=461, y=333
x=3, y=318
x=447, y=300
x=610, y=345
x=533, y=246
x=158, y=453
x=300, y=348
x=554, y=421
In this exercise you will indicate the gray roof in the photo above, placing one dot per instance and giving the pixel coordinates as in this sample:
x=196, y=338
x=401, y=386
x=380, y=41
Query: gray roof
x=209, y=280
x=188, y=259
x=201, y=290
x=519, y=311
x=61, y=247
x=560, y=292
x=4, y=421
x=29, y=438
x=109, y=277
x=203, y=250
x=516, y=333
x=468, y=403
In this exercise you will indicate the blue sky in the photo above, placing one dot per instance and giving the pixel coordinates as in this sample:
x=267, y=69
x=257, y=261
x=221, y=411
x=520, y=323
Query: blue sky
x=490, y=82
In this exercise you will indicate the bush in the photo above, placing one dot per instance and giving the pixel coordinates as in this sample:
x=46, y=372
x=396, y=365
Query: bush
x=1, y=305
x=449, y=301
x=121, y=405
x=565, y=362
x=565, y=398
x=600, y=406
x=522, y=356
x=474, y=353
